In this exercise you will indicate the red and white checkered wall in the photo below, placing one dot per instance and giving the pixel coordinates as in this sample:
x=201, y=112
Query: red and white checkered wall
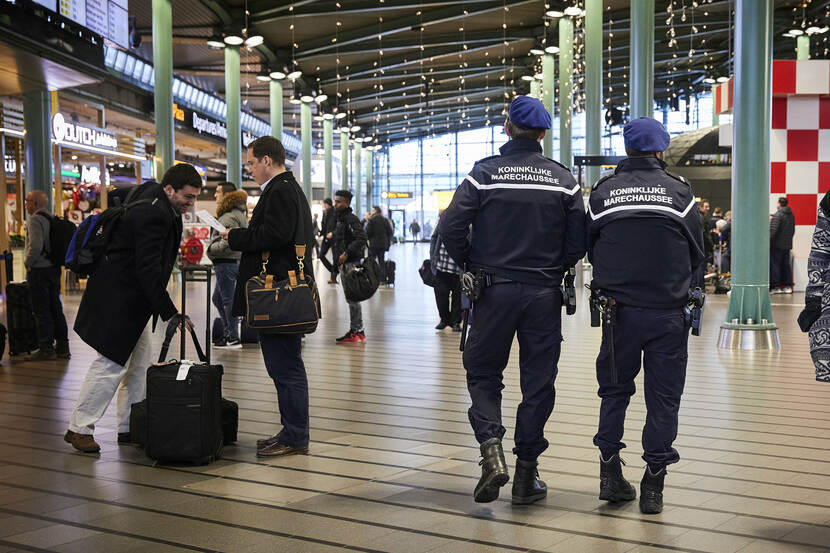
x=799, y=145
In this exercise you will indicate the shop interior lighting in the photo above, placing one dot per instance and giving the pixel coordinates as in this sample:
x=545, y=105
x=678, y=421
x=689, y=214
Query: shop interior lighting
x=277, y=75
x=254, y=41
x=552, y=50
x=723, y=79
x=233, y=40
x=294, y=75
x=321, y=98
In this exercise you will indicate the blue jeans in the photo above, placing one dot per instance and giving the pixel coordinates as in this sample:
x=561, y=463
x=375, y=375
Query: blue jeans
x=45, y=291
x=282, y=354
x=226, y=274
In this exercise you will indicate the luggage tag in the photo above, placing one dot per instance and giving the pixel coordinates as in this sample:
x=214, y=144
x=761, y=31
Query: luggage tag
x=184, y=368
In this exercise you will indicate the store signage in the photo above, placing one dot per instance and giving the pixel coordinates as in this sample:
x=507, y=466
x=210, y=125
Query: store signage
x=206, y=125
x=178, y=113
x=11, y=166
x=90, y=175
x=395, y=195
x=82, y=135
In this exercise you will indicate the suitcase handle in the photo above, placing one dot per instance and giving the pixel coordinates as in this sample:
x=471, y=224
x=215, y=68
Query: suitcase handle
x=172, y=326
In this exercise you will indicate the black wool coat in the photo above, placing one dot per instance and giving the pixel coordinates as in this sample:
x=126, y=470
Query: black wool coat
x=130, y=284
x=271, y=229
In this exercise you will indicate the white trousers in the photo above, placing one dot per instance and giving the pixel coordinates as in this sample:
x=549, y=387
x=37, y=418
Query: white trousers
x=104, y=378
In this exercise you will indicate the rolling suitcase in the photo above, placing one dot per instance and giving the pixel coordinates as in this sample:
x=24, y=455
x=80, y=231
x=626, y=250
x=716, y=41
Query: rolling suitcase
x=390, y=272
x=21, y=319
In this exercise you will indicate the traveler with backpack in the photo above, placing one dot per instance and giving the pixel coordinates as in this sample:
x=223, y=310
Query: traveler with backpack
x=379, y=234
x=43, y=277
x=349, y=245
x=126, y=290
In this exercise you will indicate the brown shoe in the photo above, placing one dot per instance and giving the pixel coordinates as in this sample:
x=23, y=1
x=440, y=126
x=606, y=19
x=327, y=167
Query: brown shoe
x=276, y=450
x=82, y=442
x=265, y=442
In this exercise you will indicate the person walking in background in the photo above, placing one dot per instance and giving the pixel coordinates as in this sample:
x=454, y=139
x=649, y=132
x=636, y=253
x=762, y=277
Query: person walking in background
x=379, y=234
x=781, y=232
x=232, y=212
x=349, y=243
x=414, y=229
x=126, y=291
x=43, y=278
x=316, y=226
x=815, y=318
x=447, y=286
x=327, y=232
x=271, y=233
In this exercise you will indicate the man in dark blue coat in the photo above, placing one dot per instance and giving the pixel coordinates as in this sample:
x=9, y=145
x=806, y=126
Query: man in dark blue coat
x=645, y=239
x=528, y=226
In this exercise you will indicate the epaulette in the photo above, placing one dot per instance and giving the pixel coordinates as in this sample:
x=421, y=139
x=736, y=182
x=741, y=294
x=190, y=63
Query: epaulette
x=603, y=179
x=681, y=178
x=562, y=165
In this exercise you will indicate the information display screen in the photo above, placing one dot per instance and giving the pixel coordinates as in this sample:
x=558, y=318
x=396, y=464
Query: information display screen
x=108, y=18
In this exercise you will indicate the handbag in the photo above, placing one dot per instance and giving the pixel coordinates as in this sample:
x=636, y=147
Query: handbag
x=290, y=306
x=360, y=281
x=426, y=274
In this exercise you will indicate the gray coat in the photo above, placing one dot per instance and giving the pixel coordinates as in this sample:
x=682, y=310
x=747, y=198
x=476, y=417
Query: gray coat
x=37, y=242
x=233, y=213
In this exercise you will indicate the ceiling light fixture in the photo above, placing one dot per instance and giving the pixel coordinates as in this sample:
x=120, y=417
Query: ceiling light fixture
x=555, y=13
x=536, y=51
x=328, y=116
x=340, y=115
x=233, y=40
x=723, y=79
x=709, y=80
x=796, y=32
x=527, y=77
x=215, y=44
x=552, y=49
x=573, y=11
x=321, y=98
x=295, y=75
x=277, y=75
x=307, y=98
x=355, y=128
x=254, y=41
x=263, y=77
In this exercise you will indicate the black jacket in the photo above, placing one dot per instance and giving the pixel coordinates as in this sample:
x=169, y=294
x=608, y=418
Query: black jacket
x=527, y=217
x=782, y=229
x=328, y=223
x=271, y=229
x=130, y=285
x=379, y=232
x=349, y=236
x=645, y=234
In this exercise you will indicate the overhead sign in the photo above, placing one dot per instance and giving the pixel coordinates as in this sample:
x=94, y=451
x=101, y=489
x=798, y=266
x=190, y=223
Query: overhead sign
x=71, y=133
x=108, y=18
x=395, y=195
x=208, y=125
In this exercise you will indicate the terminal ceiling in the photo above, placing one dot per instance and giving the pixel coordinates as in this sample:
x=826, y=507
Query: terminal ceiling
x=402, y=68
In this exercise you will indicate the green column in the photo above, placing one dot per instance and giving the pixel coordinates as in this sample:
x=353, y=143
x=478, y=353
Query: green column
x=275, y=88
x=535, y=87
x=548, y=76
x=163, y=88
x=305, y=136
x=803, y=47
x=749, y=304
x=641, y=77
x=358, y=177
x=232, y=92
x=369, y=181
x=715, y=114
x=344, y=160
x=593, y=85
x=37, y=119
x=566, y=68
x=327, y=147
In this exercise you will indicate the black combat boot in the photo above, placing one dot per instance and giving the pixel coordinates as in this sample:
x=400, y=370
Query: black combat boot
x=527, y=487
x=613, y=486
x=651, y=492
x=494, y=472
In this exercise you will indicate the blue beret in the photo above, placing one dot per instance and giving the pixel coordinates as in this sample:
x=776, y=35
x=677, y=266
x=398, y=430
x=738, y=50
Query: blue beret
x=529, y=113
x=646, y=135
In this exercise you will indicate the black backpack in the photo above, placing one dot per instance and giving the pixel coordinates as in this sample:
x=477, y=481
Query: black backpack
x=61, y=232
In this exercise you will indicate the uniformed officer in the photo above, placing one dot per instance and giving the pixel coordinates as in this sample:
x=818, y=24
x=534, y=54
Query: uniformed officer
x=645, y=238
x=528, y=226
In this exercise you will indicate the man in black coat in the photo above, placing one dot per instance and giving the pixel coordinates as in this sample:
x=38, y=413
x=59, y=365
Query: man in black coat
x=127, y=289
x=327, y=232
x=271, y=230
x=781, y=231
x=349, y=243
x=379, y=234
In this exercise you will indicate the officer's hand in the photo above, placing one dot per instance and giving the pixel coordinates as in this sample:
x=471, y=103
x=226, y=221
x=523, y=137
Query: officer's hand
x=342, y=259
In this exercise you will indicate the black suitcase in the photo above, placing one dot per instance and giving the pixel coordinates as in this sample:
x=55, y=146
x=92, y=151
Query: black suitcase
x=21, y=319
x=390, y=271
x=230, y=422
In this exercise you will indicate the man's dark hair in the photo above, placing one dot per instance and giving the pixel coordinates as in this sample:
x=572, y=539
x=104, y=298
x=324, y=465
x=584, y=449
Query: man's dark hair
x=515, y=131
x=226, y=187
x=328, y=201
x=268, y=146
x=345, y=194
x=703, y=201
x=783, y=201
x=181, y=175
x=376, y=209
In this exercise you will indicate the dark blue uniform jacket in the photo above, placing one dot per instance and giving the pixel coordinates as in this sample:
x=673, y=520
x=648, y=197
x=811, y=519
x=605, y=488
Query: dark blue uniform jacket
x=645, y=235
x=527, y=216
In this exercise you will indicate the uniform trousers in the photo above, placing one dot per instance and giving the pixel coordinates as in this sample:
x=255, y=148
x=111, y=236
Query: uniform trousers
x=104, y=378
x=534, y=314
x=283, y=358
x=660, y=338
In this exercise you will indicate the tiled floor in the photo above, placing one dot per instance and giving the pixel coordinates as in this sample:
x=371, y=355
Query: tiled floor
x=393, y=462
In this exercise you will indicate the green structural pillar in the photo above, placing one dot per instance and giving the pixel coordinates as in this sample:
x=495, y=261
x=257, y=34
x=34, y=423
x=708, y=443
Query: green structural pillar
x=369, y=181
x=641, y=77
x=275, y=106
x=305, y=136
x=163, y=89
x=566, y=68
x=232, y=92
x=593, y=85
x=37, y=114
x=344, y=160
x=535, y=87
x=749, y=322
x=803, y=47
x=548, y=76
x=358, y=178
x=327, y=147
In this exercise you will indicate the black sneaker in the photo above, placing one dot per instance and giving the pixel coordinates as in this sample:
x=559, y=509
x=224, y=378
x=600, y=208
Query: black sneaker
x=441, y=326
x=232, y=344
x=62, y=350
x=220, y=343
